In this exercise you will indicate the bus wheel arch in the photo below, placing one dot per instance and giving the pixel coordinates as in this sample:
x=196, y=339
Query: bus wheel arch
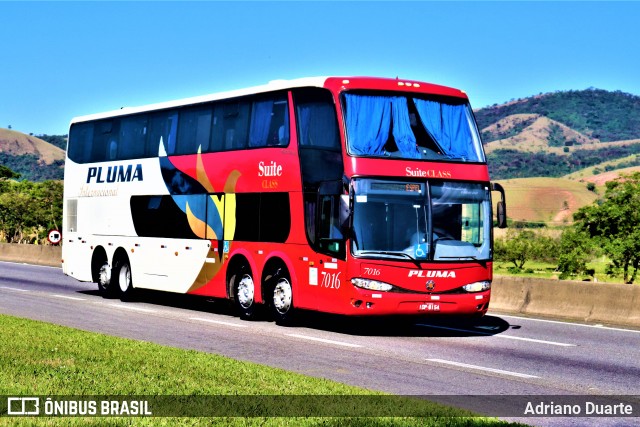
x=241, y=286
x=278, y=291
x=121, y=277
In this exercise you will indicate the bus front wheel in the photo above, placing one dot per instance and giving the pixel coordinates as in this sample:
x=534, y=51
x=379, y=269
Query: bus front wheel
x=281, y=302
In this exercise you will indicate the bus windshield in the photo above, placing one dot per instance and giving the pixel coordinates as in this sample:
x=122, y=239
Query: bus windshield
x=439, y=221
x=409, y=126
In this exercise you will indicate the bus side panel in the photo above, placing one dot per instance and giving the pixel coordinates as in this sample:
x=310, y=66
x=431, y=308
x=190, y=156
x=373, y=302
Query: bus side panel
x=172, y=265
x=76, y=258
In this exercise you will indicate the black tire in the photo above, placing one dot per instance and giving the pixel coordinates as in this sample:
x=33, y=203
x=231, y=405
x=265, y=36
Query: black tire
x=281, y=299
x=244, y=292
x=105, y=281
x=121, y=279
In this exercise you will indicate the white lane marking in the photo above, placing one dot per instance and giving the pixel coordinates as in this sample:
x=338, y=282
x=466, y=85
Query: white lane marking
x=130, y=307
x=481, y=368
x=560, y=344
x=217, y=322
x=68, y=297
x=306, y=337
x=14, y=289
x=509, y=337
x=31, y=265
x=568, y=323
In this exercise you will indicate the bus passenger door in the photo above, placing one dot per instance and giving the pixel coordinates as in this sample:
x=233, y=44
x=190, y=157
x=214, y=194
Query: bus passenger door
x=332, y=218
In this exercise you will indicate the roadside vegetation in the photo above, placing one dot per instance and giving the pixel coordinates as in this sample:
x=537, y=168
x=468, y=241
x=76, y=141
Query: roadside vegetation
x=41, y=359
x=28, y=210
x=603, y=242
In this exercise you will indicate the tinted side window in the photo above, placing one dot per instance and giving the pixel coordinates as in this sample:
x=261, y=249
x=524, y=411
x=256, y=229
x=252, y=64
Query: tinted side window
x=163, y=129
x=133, y=137
x=317, y=120
x=80, y=141
x=231, y=125
x=247, y=217
x=275, y=217
x=105, y=141
x=318, y=135
x=194, y=130
x=269, y=124
x=262, y=217
x=159, y=216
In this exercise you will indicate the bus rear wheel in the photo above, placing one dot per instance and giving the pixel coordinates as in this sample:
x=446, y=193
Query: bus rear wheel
x=122, y=278
x=281, y=301
x=244, y=294
x=105, y=284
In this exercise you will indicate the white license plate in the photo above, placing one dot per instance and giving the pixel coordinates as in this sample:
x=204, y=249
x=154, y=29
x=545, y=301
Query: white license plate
x=429, y=306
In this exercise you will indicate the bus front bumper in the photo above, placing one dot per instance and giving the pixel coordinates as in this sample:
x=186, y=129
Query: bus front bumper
x=371, y=303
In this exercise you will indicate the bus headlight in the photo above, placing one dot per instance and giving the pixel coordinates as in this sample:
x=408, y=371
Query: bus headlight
x=372, y=285
x=477, y=286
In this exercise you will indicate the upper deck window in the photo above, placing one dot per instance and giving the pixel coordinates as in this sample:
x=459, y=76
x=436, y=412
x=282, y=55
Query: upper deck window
x=235, y=124
x=411, y=127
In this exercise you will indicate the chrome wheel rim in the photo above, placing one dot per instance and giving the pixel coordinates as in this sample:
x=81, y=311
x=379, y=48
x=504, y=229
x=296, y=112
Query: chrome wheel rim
x=124, y=278
x=282, y=296
x=245, y=291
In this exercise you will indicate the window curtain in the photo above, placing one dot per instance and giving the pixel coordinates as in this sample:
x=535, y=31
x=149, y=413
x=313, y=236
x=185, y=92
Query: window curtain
x=304, y=117
x=368, y=121
x=402, y=133
x=260, y=123
x=449, y=127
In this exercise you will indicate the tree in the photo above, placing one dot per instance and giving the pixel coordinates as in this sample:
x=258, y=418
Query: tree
x=614, y=224
x=518, y=248
x=29, y=209
x=7, y=173
x=575, y=250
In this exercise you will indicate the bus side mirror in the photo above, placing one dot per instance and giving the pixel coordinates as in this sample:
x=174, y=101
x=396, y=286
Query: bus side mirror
x=501, y=212
x=501, y=207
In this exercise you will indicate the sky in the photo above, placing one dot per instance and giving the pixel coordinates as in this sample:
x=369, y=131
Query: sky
x=59, y=60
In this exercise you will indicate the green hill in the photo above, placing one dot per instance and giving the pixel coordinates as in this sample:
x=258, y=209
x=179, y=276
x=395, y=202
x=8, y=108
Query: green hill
x=599, y=114
x=560, y=133
x=33, y=158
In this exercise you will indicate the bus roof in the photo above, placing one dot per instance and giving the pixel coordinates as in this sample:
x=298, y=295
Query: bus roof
x=335, y=83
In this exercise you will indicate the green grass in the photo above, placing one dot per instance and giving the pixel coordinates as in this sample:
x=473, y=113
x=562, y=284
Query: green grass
x=549, y=200
x=40, y=359
x=548, y=271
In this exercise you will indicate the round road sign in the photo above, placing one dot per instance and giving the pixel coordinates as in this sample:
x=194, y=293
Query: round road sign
x=54, y=237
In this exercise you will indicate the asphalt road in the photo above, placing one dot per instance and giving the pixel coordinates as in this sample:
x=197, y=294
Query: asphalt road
x=480, y=366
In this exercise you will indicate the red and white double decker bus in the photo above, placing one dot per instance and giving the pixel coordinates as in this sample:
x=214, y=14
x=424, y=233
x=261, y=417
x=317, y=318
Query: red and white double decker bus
x=356, y=196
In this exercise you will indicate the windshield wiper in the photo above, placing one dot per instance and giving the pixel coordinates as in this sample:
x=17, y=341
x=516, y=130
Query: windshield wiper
x=459, y=257
x=400, y=254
